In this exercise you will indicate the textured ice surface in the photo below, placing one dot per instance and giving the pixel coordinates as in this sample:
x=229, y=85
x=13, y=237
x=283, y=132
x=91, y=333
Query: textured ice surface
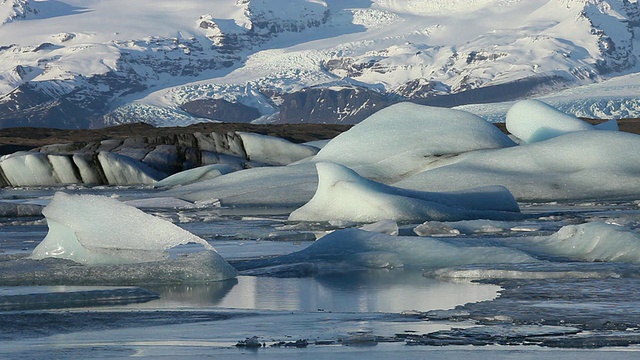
x=594, y=241
x=283, y=185
x=343, y=195
x=578, y=165
x=359, y=248
x=52, y=297
x=533, y=120
x=194, y=175
x=273, y=150
x=402, y=138
x=96, y=230
x=123, y=170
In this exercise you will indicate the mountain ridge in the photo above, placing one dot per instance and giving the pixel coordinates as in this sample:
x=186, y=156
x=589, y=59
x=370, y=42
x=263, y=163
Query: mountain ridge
x=341, y=59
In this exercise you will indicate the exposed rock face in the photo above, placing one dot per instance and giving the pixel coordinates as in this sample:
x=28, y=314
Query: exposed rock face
x=347, y=105
x=143, y=160
x=220, y=109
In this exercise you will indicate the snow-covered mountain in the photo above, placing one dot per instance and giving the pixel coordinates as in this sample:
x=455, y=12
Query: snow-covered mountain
x=74, y=63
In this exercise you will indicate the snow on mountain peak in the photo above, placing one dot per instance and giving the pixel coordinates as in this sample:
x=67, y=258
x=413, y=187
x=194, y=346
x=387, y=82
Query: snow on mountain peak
x=15, y=9
x=152, y=57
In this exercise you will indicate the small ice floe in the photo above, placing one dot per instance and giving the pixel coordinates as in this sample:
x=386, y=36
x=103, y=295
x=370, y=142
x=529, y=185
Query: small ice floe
x=594, y=241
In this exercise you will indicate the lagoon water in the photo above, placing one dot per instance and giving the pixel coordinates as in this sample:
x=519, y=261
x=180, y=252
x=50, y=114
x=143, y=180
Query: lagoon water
x=526, y=310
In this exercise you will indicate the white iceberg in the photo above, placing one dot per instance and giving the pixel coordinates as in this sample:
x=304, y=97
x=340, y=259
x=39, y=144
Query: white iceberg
x=343, y=195
x=274, y=151
x=403, y=138
x=533, y=120
x=594, y=241
x=360, y=248
x=578, y=165
x=97, y=230
x=123, y=170
x=28, y=169
x=393, y=143
x=291, y=185
x=200, y=173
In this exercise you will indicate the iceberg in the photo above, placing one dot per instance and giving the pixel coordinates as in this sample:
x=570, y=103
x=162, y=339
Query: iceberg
x=577, y=165
x=291, y=185
x=97, y=230
x=274, y=151
x=343, y=195
x=200, y=173
x=533, y=120
x=361, y=248
x=593, y=241
x=123, y=170
x=40, y=169
x=28, y=169
x=403, y=138
x=391, y=144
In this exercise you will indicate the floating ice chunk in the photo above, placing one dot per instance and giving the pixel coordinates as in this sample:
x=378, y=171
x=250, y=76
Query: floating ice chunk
x=273, y=150
x=361, y=248
x=388, y=227
x=401, y=138
x=345, y=196
x=196, y=174
x=594, y=241
x=435, y=228
x=579, y=165
x=97, y=230
x=123, y=170
x=533, y=121
x=160, y=203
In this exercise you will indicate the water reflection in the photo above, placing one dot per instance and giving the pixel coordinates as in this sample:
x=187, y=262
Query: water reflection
x=367, y=291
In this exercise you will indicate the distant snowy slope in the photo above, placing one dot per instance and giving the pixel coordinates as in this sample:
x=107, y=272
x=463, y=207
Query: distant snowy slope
x=73, y=63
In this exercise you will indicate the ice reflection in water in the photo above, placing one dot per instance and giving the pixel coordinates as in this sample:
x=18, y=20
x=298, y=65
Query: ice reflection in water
x=366, y=291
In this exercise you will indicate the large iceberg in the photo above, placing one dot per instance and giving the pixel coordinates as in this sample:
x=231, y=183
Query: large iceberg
x=343, y=195
x=40, y=169
x=403, y=138
x=389, y=145
x=533, y=121
x=577, y=165
x=97, y=230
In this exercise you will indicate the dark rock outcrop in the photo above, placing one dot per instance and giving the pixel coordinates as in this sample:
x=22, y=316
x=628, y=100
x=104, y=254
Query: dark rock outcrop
x=344, y=104
x=220, y=109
